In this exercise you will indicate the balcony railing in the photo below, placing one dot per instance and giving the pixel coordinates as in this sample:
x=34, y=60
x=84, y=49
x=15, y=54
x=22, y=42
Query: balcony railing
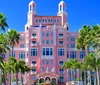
x=33, y=64
x=61, y=44
x=33, y=44
x=33, y=72
x=34, y=37
x=61, y=72
x=61, y=37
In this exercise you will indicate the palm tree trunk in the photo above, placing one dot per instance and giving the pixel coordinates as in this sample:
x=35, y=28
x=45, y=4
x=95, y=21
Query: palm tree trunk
x=10, y=79
x=4, y=77
x=85, y=77
x=90, y=77
x=16, y=78
x=97, y=76
x=88, y=51
x=21, y=79
x=88, y=73
x=12, y=50
x=0, y=77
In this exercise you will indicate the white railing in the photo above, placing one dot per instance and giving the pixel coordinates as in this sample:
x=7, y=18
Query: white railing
x=33, y=65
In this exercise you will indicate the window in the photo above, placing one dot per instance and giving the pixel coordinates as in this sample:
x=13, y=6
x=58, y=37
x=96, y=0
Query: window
x=54, y=20
x=72, y=38
x=3, y=55
x=82, y=55
x=47, y=34
x=36, y=20
x=61, y=79
x=21, y=55
x=21, y=38
x=47, y=41
x=61, y=42
x=57, y=20
x=33, y=77
x=34, y=52
x=33, y=35
x=61, y=63
x=47, y=61
x=61, y=71
x=34, y=42
x=73, y=55
x=21, y=45
x=60, y=35
x=48, y=20
x=43, y=20
x=12, y=55
x=61, y=52
x=47, y=51
x=72, y=45
x=33, y=62
x=33, y=70
x=67, y=28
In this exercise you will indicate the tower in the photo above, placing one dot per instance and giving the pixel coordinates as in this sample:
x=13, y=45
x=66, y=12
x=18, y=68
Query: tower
x=62, y=12
x=31, y=12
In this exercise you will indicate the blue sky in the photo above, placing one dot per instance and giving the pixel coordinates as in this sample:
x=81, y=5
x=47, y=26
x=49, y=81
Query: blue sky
x=80, y=12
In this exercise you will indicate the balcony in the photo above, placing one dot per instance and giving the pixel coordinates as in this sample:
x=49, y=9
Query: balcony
x=61, y=36
x=32, y=65
x=61, y=44
x=61, y=64
x=33, y=44
x=61, y=72
x=33, y=72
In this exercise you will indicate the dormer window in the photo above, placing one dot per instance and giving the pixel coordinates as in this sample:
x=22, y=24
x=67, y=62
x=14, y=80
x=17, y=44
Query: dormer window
x=54, y=20
x=57, y=20
x=67, y=28
x=43, y=20
x=36, y=20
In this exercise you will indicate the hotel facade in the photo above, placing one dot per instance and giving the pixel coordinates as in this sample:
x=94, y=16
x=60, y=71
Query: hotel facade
x=45, y=45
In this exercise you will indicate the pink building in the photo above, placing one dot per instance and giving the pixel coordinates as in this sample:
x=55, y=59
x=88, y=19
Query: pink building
x=46, y=44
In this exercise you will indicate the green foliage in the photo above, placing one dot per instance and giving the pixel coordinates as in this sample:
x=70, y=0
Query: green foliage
x=3, y=22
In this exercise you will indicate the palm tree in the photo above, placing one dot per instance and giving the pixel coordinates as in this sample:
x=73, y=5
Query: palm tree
x=13, y=38
x=3, y=22
x=21, y=69
x=92, y=62
x=67, y=66
x=24, y=69
x=1, y=68
x=11, y=68
x=3, y=48
x=73, y=65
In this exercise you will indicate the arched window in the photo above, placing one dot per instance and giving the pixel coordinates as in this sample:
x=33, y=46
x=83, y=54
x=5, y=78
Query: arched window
x=67, y=28
x=60, y=8
x=30, y=8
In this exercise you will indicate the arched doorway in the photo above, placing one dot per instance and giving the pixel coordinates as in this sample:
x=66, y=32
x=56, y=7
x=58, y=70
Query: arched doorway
x=47, y=79
x=41, y=80
x=54, y=80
